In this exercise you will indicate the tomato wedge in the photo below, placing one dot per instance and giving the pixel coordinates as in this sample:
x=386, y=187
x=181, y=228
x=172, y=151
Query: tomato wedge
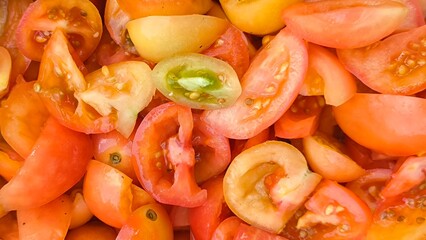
x=269, y=87
x=80, y=20
x=334, y=23
x=395, y=64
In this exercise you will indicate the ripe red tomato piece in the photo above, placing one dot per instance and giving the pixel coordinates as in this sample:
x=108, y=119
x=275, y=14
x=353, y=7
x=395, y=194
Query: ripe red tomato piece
x=206, y=218
x=369, y=21
x=395, y=64
x=80, y=20
x=415, y=17
x=57, y=162
x=80, y=213
x=269, y=87
x=334, y=212
x=92, y=230
x=385, y=123
x=245, y=231
x=227, y=229
x=165, y=158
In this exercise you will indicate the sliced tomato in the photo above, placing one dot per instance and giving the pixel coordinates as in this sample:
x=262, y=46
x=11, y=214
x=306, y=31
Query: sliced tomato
x=165, y=158
x=179, y=218
x=197, y=81
x=301, y=120
x=5, y=69
x=8, y=167
x=227, y=229
x=232, y=47
x=143, y=8
x=80, y=213
x=389, y=123
x=49, y=221
x=150, y=221
x=265, y=184
x=395, y=64
x=245, y=231
x=9, y=227
x=415, y=17
x=269, y=87
x=206, y=218
x=334, y=212
x=92, y=230
x=242, y=144
x=326, y=157
x=23, y=117
x=109, y=194
x=58, y=160
x=80, y=20
x=369, y=21
x=327, y=76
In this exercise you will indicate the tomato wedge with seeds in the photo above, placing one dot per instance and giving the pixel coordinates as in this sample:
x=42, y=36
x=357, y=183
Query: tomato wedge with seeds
x=395, y=65
x=269, y=87
x=80, y=20
x=165, y=158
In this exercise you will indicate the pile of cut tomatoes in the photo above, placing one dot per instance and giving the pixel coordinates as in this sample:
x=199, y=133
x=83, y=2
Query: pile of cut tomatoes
x=205, y=119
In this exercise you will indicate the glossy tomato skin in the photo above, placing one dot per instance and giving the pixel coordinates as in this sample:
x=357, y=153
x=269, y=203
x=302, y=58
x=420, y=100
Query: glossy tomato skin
x=396, y=63
x=92, y=230
x=269, y=87
x=58, y=160
x=165, y=158
x=80, y=19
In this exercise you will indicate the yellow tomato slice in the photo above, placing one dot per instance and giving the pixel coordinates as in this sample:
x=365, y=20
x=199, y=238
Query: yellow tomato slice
x=265, y=184
x=158, y=37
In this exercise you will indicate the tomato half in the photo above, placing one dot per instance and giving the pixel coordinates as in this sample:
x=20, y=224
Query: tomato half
x=165, y=158
x=396, y=64
x=334, y=212
x=265, y=184
x=369, y=21
x=197, y=81
x=80, y=20
x=389, y=123
x=58, y=160
x=269, y=87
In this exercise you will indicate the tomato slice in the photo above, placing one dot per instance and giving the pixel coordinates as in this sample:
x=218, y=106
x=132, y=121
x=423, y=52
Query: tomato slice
x=389, y=123
x=80, y=213
x=269, y=87
x=245, y=231
x=227, y=229
x=334, y=212
x=361, y=18
x=49, y=221
x=165, y=158
x=92, y=230
x=80, y=20
x=197, y=81
x=59, y=157
x=396, y=63
x=415, y=17
x=265, y=184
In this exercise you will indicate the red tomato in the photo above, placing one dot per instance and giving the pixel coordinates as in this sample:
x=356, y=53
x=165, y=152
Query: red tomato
x=240, y=145
x=334, y=23
x=179, y=218
x=269, y=87
x=49, y=221
x=9, y=227
x=78, y=18
x=232, y=47
x=204, y=219
x=212, y=150
x=334, y=212
x=58, y=160
x=165, y=158
x=301, y=119
x=415, y=17
x=80, y=213
x=92, y=230
x=227, y=229
x=109, y=195
x=385, y=123
x=22, y=112
x=147, y=222
x=245, y=231
x=396, y=63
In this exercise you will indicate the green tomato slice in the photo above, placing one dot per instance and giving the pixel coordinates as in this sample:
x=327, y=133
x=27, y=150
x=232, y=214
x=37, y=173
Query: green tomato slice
x=197, y=81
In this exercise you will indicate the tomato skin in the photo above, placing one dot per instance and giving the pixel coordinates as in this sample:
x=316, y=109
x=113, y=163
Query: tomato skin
x=80, y=213
x=92, y=230
x=281, y=67
x=150, y=221
x=245, y=231
x=9, y=227
x=59, y=157
x=395, y=63
x=349, y=18
x=80, y=19
x=227, y=229
x=164, y=162
x=49, y=221
x=415, y=17
x=398, y=134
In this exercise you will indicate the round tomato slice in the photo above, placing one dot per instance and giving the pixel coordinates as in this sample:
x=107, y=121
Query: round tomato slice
x=269, y=87
x=334, y=23
x=396, y=64
x=385, y=123
x=265, y=184
x=165, y=158
x=197, y=81
x=80, y=20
